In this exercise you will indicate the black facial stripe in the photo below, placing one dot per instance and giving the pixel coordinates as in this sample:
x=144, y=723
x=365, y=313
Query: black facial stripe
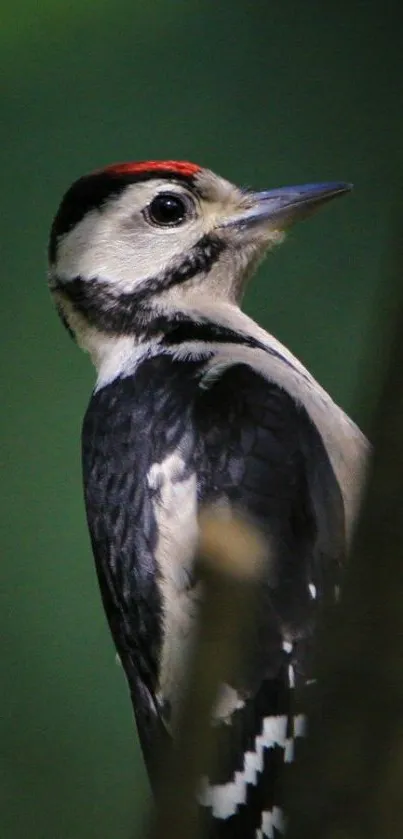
x=91, y=193
x=118, y=314
x=199, y=260
x=187, y=330
x=180, y=331
x=175, y=329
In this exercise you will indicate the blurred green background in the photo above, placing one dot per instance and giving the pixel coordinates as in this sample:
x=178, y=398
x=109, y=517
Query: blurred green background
x=266, y=92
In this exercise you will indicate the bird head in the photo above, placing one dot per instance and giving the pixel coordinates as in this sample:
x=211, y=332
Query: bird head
x=135, y=240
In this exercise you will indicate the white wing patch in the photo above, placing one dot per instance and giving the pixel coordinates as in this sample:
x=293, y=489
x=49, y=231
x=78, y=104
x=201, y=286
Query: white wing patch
x=229, y=700
x=224, y=799
x=299, y=725
x=291, y=676
x=271, y=819
x=175, y=513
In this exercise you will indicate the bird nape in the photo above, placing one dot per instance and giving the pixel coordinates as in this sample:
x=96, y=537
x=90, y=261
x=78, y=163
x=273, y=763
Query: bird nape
x=194, y=403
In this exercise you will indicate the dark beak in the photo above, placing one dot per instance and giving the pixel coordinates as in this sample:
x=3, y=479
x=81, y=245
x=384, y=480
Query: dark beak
x=280, y=208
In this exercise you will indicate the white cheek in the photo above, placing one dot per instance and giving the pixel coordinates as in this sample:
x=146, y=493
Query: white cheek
x=100, y=246
x=117, y=244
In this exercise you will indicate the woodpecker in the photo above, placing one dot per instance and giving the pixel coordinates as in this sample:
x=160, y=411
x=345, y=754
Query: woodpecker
x=196, y=404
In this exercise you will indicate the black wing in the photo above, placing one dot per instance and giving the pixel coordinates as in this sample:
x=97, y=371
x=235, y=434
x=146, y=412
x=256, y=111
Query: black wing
x=127, y=426
x=261, y=452
x=250, y=444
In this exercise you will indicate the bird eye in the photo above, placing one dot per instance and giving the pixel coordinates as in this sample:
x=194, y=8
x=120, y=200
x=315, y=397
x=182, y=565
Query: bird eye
x=167, y=210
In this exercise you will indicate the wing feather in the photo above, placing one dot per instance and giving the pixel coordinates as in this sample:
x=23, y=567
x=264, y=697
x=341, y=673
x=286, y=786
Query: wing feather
x=249, y=444
x=263, y=454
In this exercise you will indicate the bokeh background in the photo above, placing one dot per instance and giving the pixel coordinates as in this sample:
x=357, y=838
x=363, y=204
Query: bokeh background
x=268, y=93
